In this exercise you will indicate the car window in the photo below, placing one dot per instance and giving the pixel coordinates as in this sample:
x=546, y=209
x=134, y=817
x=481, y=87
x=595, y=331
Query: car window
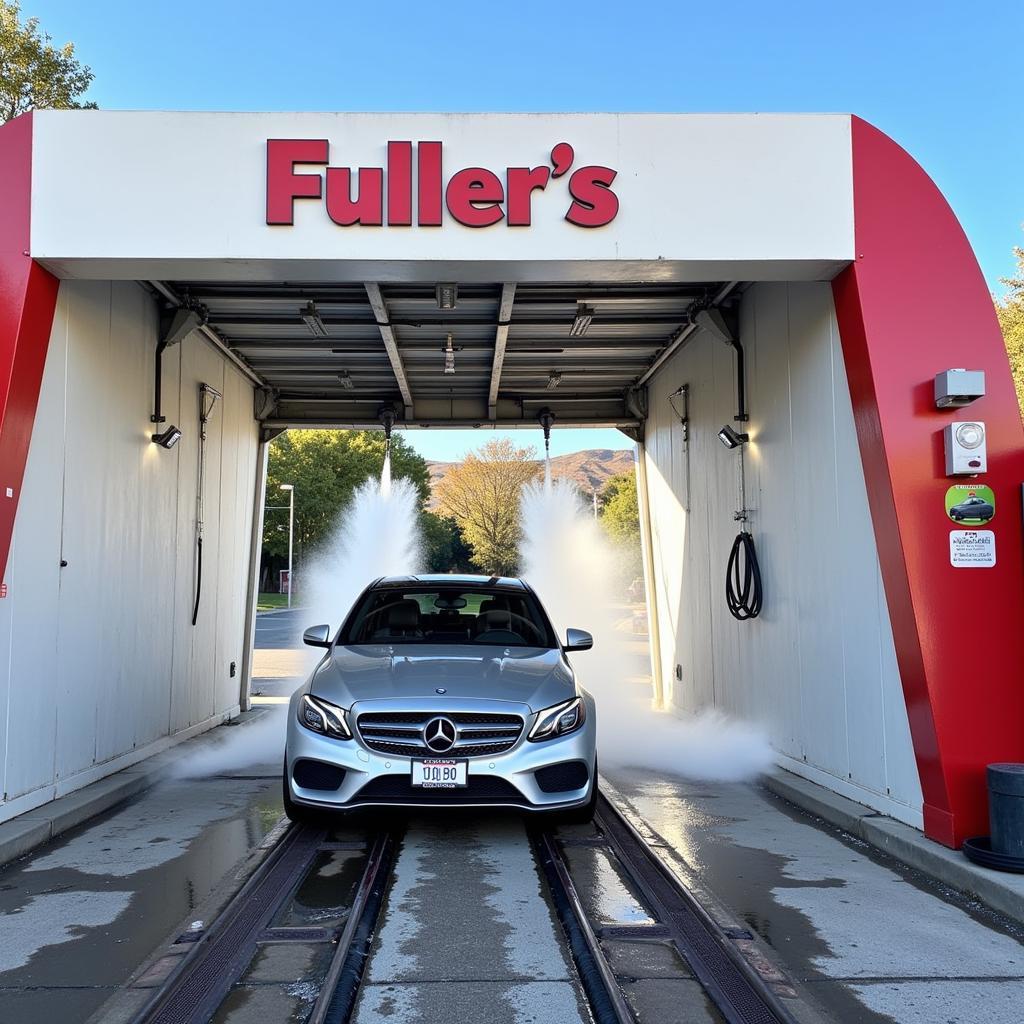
x=480, y=616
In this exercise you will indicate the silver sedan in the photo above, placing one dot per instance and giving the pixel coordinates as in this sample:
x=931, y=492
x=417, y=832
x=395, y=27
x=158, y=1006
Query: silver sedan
x=443, y=691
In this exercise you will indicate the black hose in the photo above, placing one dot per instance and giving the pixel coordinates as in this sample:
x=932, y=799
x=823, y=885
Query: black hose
x=743, y=592
x=199, y=578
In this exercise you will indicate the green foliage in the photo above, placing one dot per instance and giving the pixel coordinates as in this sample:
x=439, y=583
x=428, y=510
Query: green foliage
x=325, y=467
x=619, y=514
x=444, y=547
x=33, y=73
x=619, y=511
x=482, y=495
x=1010, y=311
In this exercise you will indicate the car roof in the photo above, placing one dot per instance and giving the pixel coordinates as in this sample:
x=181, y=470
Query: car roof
x=449, y=579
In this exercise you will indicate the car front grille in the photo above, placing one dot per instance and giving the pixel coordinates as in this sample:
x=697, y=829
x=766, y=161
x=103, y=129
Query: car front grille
x=401, y=733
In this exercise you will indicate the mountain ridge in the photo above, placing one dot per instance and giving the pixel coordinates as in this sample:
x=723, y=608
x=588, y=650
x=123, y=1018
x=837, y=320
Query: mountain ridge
x=589, y=469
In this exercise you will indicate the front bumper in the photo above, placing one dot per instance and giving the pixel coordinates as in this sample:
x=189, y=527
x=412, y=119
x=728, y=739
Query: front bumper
x=508, y=779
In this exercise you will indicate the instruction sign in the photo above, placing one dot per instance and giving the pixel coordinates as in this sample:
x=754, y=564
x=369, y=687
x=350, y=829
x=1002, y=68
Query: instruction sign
x=971, y=504
x=972, y=549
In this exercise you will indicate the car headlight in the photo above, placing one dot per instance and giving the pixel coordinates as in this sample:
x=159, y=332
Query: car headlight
x=323, y=717
x=559, y=720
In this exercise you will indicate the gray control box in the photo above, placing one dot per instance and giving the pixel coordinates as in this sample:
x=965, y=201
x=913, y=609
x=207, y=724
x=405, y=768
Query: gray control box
x=957, y=388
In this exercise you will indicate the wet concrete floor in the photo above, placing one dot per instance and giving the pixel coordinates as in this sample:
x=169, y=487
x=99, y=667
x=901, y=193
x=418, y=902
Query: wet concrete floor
x=467, y=932
x=870, y=940
x=81, y=914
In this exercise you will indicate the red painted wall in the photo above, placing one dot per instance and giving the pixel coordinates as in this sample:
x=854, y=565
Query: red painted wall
x=915, y=303
x=28, y=295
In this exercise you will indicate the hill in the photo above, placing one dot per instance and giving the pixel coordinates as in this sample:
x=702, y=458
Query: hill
x=587, y=469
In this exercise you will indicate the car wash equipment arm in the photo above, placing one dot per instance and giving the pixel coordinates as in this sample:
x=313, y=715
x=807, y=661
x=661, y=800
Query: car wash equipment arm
x=208, y=398
x=743, y=591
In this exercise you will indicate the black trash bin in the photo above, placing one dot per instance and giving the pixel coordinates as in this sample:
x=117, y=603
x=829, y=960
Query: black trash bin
x=1004, y=848
x=1006, y=809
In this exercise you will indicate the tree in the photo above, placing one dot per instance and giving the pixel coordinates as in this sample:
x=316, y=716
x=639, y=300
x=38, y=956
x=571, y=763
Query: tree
x=33, y=73
x=325, y=467
x=444, y=547
x=482, y=495
x=1010, y=310
x=620, y=516
x=619, y=511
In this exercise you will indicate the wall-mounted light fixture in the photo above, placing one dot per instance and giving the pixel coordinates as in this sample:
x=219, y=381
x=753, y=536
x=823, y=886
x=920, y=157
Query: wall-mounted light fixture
x=167, y=438
x=312, y=319
x=447, y=295
x=175, y=326
x=732, y=438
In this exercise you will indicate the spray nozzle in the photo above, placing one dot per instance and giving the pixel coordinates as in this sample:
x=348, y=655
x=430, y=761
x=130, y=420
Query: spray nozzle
x=386, y=415
x=546, y=418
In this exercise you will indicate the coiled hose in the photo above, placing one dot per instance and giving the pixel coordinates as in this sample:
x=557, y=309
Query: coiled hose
x=743, y=592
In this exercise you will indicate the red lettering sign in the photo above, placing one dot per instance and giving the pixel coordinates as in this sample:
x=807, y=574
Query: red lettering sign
x=474, y=196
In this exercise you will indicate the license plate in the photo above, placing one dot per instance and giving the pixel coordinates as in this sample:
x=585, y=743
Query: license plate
x=439, y=774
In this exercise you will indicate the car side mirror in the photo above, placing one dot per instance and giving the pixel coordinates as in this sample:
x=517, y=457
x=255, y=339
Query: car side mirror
x=317, y=636
x=578, y=640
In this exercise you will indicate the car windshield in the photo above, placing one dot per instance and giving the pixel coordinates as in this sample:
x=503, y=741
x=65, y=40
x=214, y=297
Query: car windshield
x=489, y=616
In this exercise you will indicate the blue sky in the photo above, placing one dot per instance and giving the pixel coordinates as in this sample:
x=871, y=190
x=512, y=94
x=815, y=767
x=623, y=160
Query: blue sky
x=941, y=77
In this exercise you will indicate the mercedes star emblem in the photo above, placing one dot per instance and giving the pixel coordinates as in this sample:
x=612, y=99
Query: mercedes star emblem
x=439, y=734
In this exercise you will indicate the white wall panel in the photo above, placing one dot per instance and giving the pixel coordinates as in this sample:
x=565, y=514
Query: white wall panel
x=99, y=661
x=818, y=667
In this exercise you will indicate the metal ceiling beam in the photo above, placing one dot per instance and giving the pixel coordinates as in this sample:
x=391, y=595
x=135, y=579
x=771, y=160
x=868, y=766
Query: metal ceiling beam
x=508, y=296
x=287, y=318
x=387, y=333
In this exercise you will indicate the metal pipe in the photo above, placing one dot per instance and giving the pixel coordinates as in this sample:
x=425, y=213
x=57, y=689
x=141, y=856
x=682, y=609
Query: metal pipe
x=681, y=336
x=212, y=337
x=650, y=585
x=741, y=378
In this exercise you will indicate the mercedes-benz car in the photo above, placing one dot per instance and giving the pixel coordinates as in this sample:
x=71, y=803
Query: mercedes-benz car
x=443, y=691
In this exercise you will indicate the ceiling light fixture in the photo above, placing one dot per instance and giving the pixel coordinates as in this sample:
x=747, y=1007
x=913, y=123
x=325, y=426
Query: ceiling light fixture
x=554, y=379
x=449, y=357
x=447, y=295
x=312, y=319
x=167, y=438
x=580, y=326
x=732, y=438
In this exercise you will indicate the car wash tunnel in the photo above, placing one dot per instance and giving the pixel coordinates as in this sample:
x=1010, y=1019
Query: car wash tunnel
x=784, y=317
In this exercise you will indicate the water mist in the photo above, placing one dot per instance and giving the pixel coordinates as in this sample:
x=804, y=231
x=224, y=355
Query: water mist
x=567, y=559
x=377, y=535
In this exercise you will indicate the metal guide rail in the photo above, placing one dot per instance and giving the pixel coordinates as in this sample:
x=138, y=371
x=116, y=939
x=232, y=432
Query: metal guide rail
x=738, y=992
x=195, y=990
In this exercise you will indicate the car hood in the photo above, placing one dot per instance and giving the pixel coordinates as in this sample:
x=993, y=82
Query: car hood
x=530, y=675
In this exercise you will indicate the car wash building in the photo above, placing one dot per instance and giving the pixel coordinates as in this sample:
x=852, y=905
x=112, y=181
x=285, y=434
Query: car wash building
x=769, y=305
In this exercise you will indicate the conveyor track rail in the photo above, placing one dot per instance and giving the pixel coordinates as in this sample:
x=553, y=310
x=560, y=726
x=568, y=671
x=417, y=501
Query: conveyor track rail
x=733, y=985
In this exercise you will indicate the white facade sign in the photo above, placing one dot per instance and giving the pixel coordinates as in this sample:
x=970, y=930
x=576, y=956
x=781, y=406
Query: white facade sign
x=365, y=196
x=972, y=549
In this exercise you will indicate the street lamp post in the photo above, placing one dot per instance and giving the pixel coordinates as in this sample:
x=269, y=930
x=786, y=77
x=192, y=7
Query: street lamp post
x=290, y=488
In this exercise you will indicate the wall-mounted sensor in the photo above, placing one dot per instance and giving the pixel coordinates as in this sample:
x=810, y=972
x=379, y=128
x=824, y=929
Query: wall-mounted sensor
x=957, y=388
x=965, y=448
